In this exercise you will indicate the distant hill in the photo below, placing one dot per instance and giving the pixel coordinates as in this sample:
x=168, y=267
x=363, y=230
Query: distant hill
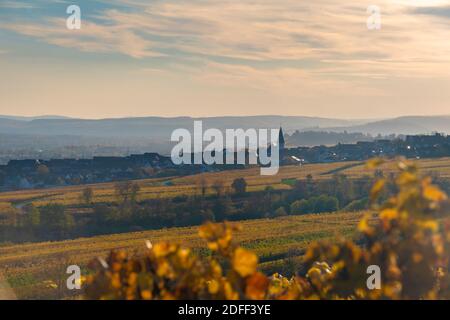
x=152, y=127
x=60, y=137
x=24, y=118
x=160, y=128
x=401, y=125
x=316, y=138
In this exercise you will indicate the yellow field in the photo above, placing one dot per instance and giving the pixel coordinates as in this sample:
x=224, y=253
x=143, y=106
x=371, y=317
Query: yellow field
x=153, y=188
x=37, y=270
x=440, y=166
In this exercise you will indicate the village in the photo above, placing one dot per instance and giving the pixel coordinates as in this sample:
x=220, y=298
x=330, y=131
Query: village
x=35, y=173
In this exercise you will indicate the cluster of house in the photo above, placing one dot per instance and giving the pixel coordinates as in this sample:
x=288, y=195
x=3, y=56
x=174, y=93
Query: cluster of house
x=414, y=146
x=31, y=173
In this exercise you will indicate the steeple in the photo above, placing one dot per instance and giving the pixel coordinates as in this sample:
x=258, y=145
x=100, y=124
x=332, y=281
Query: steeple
x=281, y=139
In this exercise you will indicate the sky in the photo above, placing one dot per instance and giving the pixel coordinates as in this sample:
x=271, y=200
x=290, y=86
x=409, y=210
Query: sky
x=228, y=57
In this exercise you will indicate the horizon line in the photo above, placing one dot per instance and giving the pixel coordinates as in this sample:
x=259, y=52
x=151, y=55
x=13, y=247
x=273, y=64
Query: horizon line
x=68, y=117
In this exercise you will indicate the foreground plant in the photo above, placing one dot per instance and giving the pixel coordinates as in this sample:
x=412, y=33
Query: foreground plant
x=409, y=240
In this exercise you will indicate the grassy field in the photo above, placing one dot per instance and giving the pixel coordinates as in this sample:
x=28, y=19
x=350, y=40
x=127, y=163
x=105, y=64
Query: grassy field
x=37, y=270
x=171, y=187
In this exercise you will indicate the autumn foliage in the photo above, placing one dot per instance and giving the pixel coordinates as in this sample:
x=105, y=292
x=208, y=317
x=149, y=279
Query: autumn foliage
x=407, y=236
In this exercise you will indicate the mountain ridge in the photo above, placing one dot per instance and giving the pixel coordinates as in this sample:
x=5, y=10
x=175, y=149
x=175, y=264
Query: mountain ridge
x=155, y=126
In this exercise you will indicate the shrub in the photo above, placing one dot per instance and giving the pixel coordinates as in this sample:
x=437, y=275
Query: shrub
x=319, y=204
x=357, y=205
x=239, y=186
x=280, y=212
x=300, y=207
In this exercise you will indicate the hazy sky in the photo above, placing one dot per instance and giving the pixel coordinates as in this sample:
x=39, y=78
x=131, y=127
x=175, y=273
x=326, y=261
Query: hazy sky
x=227, y=57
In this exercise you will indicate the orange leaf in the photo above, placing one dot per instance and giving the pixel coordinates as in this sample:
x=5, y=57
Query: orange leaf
x=377, y=188
x=256, y=286
x=433, y=193
x=244, y=262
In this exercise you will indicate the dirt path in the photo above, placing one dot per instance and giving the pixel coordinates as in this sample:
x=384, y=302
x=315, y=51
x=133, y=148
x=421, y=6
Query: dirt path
x=337, y=170
x=22, y=203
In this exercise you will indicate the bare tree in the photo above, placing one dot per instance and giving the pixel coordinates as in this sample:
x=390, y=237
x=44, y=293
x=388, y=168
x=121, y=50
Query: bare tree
x=218, y=187
x=202, y=185
x=123, y=190
x=126, y=191
x=135, y=188
x=86, y=195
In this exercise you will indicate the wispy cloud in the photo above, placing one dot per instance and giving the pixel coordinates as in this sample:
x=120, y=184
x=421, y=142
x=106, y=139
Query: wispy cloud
x=92, y=37
x=16, y=5
x=267, y=31
x=290, y=48
x=443, y=11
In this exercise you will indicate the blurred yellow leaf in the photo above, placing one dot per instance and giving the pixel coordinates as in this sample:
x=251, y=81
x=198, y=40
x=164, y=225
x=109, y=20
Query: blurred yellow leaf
x=376, y=189
x=213, y=286
x=406, y=178
x=206, y=231
x=216, y=269
x=374, y=163
x=433, y=193
x=244, y=262
x=388, y=214
x=146, y=294
x=363, y=225
x=163, y=249
x=213, y=246
x=256, y=286
x=230, y=294
x=429, y=224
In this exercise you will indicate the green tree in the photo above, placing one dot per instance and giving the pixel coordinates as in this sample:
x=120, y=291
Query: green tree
x=32, y=216
x=55, y=219
x=301, y=207
x=104, y=214
x=280, y=212
x=222, y=208
x=239, y=185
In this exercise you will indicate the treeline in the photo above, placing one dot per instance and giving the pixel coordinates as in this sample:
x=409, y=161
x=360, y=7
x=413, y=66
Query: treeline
x=128, y=213
x=317, y=138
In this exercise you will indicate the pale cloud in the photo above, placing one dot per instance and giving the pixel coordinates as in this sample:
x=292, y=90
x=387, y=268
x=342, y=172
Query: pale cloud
x=291, y=30
x=265, y=31
x=16, y=5
x=283, y=81
x=302, y=50
x=92, y=37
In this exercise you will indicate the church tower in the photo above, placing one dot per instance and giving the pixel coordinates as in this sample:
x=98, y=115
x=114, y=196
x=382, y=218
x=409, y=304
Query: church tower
x=281, y=144
x=281, y=139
